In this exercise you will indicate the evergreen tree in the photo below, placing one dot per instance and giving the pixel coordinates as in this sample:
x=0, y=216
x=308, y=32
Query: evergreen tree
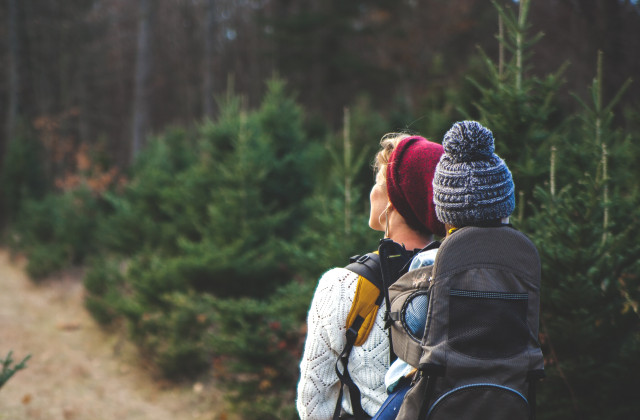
x=21, y=176
x=262, y=384
x=148, y=214
x=202, y=218
x=586, y=233
x=338, y=226
x=521, y=110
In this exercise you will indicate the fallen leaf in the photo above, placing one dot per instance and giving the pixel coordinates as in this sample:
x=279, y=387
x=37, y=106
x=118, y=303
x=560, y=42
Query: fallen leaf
x=26, y=399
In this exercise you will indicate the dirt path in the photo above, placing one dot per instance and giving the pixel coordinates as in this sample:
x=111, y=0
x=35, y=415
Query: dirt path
x=77, y=371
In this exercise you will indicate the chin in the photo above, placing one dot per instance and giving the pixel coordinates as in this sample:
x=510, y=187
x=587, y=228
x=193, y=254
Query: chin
x=376, y=226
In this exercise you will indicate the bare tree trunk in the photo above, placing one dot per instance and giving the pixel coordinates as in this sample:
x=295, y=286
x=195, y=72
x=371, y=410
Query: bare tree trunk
x=141, y=102
x=522, y=20
x=208, y=59
x=13, y=105
x=348, y=175
x=500, y=47
x=13, y=108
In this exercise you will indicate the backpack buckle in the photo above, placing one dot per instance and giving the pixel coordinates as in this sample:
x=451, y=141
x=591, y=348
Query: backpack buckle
x=388, y=320
x=351, y=335
x=359, y=259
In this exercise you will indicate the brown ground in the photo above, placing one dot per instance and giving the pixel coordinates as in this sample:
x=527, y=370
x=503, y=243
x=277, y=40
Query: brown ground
x=77, y=371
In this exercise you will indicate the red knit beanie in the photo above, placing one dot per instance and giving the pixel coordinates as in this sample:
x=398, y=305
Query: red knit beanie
x=409, y=182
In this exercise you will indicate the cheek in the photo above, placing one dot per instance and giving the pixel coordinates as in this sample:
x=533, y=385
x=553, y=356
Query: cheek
x=378, y=198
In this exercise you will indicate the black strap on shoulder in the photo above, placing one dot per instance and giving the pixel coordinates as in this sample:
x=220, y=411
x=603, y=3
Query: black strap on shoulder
x=367, y=266
x=345, y=377
x=394, y=261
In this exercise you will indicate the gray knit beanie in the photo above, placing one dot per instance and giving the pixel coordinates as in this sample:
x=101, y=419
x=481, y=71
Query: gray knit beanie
x=471, y=185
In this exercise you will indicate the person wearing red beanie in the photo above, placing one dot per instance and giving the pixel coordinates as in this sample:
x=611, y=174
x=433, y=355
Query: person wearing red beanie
x=402, y=207
x=408, y=164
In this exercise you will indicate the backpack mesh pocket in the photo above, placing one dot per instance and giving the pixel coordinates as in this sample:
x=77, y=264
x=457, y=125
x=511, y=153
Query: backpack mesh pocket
x=488, y=325
x=414, y=314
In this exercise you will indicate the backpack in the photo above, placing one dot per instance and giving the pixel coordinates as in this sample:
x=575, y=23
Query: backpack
x=371, y=289
x=478, y=356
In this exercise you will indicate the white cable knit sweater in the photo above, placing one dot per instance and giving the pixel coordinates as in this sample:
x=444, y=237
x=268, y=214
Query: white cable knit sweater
x=319, y=386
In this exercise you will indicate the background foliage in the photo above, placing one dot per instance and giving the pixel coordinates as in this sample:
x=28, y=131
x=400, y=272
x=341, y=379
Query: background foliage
x=207, y=246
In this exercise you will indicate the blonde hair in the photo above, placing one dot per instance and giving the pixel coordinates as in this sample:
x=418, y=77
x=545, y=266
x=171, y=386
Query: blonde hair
x=387, y=144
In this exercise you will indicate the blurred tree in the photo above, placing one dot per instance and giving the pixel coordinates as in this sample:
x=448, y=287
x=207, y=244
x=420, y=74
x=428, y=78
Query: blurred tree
x=576, y=30
x=22, y=177
x=405, y=55
x=216, y=215
x=15, y=68
x=14, y=97
x=207, y=88
x=141, y=101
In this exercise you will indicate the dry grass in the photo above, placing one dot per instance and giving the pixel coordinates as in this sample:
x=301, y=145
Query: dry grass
x=77, y=371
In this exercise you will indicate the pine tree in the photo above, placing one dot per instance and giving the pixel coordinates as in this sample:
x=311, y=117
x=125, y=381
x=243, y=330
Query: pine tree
x=204, y=217
x=520, y=109
x=338, y=227
x=262, y=385
x=586, y=232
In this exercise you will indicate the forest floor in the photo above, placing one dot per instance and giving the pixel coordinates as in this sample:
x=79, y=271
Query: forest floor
x=77, y=371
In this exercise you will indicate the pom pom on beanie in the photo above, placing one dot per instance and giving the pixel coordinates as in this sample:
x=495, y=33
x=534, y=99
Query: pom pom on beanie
x=410, y=182
x=468, y=141
x=471, y=184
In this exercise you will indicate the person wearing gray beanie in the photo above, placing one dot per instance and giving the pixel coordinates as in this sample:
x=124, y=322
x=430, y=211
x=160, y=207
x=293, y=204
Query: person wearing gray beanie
x=472, y=186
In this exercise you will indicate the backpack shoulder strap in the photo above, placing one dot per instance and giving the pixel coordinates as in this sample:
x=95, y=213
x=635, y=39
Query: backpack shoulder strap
x=360, y=320
x=368, y=297
x=367, y=266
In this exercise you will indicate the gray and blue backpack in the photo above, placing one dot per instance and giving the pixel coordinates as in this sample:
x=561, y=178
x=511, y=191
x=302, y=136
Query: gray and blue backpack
x=478, y=356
